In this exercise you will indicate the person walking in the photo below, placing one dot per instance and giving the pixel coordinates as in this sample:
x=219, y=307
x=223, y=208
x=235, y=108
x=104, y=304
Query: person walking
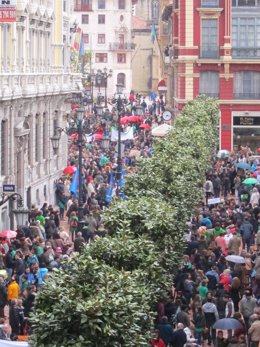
x=211, y=316
x=179, y=337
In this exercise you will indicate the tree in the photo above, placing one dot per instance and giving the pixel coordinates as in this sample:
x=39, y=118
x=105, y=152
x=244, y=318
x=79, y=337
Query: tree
x=105, y=297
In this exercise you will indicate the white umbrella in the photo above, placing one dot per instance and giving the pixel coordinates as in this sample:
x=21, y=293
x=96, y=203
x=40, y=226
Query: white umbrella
x=235, y=259
x=161, y=131
x=223, y=153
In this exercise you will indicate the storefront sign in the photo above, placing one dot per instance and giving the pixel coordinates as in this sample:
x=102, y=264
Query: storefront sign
x=7, y=11
x=246, y=121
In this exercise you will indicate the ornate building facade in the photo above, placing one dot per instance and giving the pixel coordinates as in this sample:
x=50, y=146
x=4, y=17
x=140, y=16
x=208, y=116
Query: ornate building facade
x=35, y=80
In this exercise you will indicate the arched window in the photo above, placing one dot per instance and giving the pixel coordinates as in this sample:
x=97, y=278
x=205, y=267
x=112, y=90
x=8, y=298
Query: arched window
x=155, y=10
x=44, y=135
x=37, y=139
x=29, y=143
x=121, y=79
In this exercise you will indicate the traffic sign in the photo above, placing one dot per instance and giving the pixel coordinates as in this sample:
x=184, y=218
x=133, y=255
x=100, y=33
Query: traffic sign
x=8, y=188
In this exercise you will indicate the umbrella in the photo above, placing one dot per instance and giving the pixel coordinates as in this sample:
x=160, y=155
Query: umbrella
x=74, y=136
x=10, y=234
x=140, y=119
x=98, y=136
x=145, y=126
x=69, y=170
x=227, y=324
x=258, y=151
x=235, y=259
x=124, y=120
x=250, y=180
x=243, y=166
x=222, y=154
x=133, y=119
x=162, y=130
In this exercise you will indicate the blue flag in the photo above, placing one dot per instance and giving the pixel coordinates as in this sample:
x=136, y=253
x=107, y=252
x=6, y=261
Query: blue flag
x=74, y=186
x=81, y=47
x=110, y=188
x=153, y=33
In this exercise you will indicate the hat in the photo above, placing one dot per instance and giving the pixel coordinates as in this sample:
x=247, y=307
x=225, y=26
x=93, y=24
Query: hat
x=59, y=250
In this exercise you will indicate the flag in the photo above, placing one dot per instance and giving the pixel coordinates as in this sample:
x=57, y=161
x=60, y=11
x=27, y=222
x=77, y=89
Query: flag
x=81, y=48
x=110, y=189
x=153, y=33
x=74, y=186
x=77, y=39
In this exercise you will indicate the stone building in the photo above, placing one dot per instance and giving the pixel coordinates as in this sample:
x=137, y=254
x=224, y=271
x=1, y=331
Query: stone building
x=35, y=79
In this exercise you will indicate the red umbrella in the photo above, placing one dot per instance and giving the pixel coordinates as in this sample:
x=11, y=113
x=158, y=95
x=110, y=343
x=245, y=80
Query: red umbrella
x=258, y=151
x=69, y=170
x=10, y=234
x=124, y=120
x=98, y=136
x=145, y=126
x=133, y=119
x=141, y=119
x=74, y=136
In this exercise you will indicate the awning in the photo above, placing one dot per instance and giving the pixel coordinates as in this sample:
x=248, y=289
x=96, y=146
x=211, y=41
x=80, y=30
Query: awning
x=4, y=343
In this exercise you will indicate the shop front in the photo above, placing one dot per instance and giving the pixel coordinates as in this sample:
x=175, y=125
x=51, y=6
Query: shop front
x=245, y=130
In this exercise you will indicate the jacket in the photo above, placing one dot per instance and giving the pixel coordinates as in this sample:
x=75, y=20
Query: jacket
x=179, y=338
x=254, y=331
x=246, y=230
x=13, y=291
x=247, y=306
x=166, y=332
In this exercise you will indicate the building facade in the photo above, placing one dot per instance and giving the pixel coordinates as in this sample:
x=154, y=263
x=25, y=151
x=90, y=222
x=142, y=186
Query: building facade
x=35, y=80
x=106, y=27
x=216, y=51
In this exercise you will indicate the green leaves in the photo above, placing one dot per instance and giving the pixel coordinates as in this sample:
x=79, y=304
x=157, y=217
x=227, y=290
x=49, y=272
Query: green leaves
x=106, y=296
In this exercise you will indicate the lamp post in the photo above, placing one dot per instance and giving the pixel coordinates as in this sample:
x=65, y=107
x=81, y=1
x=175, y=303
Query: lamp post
x=78, y=129
x=98, y=82
x=120, y=101
x=106, y=74
x=21, y=213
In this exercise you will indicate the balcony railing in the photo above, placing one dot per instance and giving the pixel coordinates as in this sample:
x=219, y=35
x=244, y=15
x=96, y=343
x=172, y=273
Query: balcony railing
x=209, y=52
x=210, y=94
x=210, y=3
x=117, y=46
x=83, y=8
x=247, y=96
x=246, y=53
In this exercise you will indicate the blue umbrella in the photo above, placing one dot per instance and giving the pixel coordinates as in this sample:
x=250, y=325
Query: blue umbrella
x=243, y=166
x=227, y=324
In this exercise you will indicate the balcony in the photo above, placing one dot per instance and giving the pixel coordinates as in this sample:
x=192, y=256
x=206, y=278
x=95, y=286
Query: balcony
x=209, y=52
x=82, y=8
x=117, y=46
x=210, y=3
x=246, y=53
x=247, y=96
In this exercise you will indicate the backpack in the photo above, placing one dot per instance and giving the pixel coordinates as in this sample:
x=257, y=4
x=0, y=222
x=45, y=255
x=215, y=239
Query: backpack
x=207, y=186
x=73, y=223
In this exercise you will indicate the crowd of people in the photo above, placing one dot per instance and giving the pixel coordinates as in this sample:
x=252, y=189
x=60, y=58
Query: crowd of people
x=219, y=276
x=50, y=235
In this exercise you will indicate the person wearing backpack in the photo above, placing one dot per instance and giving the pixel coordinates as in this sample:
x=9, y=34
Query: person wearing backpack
x=73, y=223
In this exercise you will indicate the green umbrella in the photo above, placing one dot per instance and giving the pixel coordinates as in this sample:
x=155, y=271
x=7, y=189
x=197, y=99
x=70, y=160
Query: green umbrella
x=250, y=180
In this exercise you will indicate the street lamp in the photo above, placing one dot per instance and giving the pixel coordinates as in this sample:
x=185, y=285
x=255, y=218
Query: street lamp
x=106, y=74
x=99, y=82
x=21, y=213
x=119, y=101
x=55, y=139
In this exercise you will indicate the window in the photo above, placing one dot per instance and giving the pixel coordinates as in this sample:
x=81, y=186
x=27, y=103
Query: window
x=101, y=38
x=101, y=4
x=37, y=139
x=209, y=3
x=246, y=37
x=209, y=83
x=85, y=38
x=101, y=19
x=247, y=85
x=155, y=9
x=4, y=147
x=246, y=3
x=209, y=38
x=101, y=57
x=121, y=79
x=121, y=4
x=84, y=19
x=83, y=5
x=44, y=135
x=64, y=5
x=121, y=58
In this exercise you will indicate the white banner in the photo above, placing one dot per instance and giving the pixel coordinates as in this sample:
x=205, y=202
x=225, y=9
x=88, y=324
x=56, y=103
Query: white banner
x=4, y=343
x=128, y=135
